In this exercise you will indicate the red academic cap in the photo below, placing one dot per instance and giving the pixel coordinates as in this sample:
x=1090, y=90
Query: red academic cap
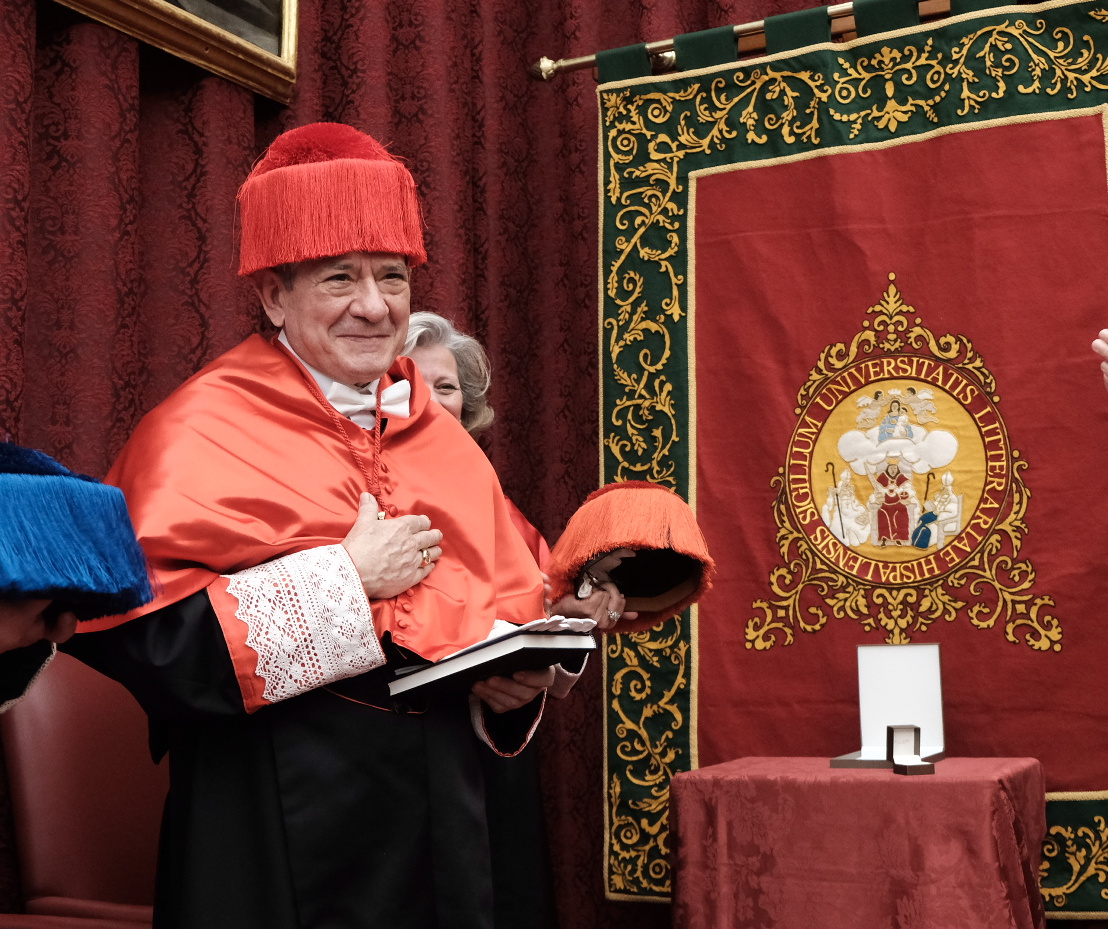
x=327, y=189
x=671, y=569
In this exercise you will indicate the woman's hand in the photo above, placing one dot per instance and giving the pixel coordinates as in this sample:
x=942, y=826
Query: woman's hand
x=597, y=597
x=605, y=605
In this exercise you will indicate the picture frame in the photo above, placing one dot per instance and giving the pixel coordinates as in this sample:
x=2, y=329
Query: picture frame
x=250, y=42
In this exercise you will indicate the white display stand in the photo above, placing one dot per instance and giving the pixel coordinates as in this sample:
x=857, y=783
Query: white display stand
x=899, y=688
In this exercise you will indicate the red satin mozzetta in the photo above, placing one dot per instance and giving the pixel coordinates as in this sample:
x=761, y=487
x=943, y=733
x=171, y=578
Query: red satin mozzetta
x=540, y=551
x=247, y=462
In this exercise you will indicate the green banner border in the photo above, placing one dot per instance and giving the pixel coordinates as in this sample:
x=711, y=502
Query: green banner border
x=1074, y=871
x=1007, y=63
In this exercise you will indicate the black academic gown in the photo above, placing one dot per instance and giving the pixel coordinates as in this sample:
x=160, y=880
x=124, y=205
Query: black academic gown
x=318, y=812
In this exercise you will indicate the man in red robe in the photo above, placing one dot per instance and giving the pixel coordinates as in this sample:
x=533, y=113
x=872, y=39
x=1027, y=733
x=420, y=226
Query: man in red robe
x=312, y=519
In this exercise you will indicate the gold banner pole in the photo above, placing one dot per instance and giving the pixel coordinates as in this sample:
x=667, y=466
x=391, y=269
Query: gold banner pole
x=751, y=41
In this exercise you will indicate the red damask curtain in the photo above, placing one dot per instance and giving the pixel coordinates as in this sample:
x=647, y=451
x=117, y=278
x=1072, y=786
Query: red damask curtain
x=118, y=171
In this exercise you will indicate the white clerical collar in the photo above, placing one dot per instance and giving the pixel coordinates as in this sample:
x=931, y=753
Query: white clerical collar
x=358, y=403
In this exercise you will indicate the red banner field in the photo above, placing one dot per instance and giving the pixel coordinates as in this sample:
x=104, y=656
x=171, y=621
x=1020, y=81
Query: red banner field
x=901, y=435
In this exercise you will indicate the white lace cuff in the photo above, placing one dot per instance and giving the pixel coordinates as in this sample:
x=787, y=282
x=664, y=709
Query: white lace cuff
x=308, y=619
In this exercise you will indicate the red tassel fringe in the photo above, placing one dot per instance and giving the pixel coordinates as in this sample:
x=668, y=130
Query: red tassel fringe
x=307, y=211
x=640, y=515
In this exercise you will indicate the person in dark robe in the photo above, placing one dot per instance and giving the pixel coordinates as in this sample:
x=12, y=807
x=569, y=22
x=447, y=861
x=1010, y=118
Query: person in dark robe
x=28, y=639
x=313, y=521
x=67, y=552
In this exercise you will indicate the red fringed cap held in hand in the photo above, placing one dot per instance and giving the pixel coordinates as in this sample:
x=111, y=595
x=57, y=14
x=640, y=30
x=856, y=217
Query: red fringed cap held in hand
x=671, y=569
x=327, y=189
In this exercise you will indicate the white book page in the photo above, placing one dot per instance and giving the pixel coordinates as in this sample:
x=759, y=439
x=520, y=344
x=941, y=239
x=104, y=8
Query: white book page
x=501, y=628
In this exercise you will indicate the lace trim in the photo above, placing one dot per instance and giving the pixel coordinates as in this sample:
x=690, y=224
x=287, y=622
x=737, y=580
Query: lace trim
x=309, y=620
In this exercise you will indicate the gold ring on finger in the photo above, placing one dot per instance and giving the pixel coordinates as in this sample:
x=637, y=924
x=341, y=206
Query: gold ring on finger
x=426, y=555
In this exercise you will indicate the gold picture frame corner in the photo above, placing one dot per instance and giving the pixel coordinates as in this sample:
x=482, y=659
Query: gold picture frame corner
x=196, y=40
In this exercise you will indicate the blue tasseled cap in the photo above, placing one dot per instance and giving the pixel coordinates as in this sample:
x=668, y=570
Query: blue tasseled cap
x=66, y=537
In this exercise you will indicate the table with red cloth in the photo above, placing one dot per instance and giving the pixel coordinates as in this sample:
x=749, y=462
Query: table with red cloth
x=792, y=843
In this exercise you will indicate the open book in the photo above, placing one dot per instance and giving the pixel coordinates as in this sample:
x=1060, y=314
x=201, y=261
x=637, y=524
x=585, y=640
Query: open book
x=508, y=649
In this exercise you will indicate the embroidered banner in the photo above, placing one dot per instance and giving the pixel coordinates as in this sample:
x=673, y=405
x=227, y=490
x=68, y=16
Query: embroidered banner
x=847, y=301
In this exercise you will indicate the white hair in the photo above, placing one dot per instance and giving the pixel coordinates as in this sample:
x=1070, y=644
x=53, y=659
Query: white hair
x=429, y=330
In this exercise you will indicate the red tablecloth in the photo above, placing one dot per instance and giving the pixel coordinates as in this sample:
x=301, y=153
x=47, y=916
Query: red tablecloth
x=791, y=843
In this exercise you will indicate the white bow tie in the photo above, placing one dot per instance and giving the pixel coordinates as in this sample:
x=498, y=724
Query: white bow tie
x=358, y=405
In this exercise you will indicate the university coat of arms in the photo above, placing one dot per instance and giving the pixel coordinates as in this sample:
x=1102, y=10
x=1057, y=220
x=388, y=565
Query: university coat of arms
x=901, y=501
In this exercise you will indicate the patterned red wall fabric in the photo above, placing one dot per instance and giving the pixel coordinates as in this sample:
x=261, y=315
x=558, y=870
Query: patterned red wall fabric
x=117, y=268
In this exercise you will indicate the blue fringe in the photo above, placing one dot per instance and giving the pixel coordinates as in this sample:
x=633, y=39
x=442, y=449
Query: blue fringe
x=15, y=459
x=68, y=538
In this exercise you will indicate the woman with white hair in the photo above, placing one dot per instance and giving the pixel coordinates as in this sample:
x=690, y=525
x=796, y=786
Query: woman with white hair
x=455, y=367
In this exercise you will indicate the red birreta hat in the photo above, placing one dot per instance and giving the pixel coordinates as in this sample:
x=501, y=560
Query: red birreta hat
x=327, y=189
x=671, y=568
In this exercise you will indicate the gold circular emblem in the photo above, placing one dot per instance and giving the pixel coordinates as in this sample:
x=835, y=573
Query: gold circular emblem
x=898, y=470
